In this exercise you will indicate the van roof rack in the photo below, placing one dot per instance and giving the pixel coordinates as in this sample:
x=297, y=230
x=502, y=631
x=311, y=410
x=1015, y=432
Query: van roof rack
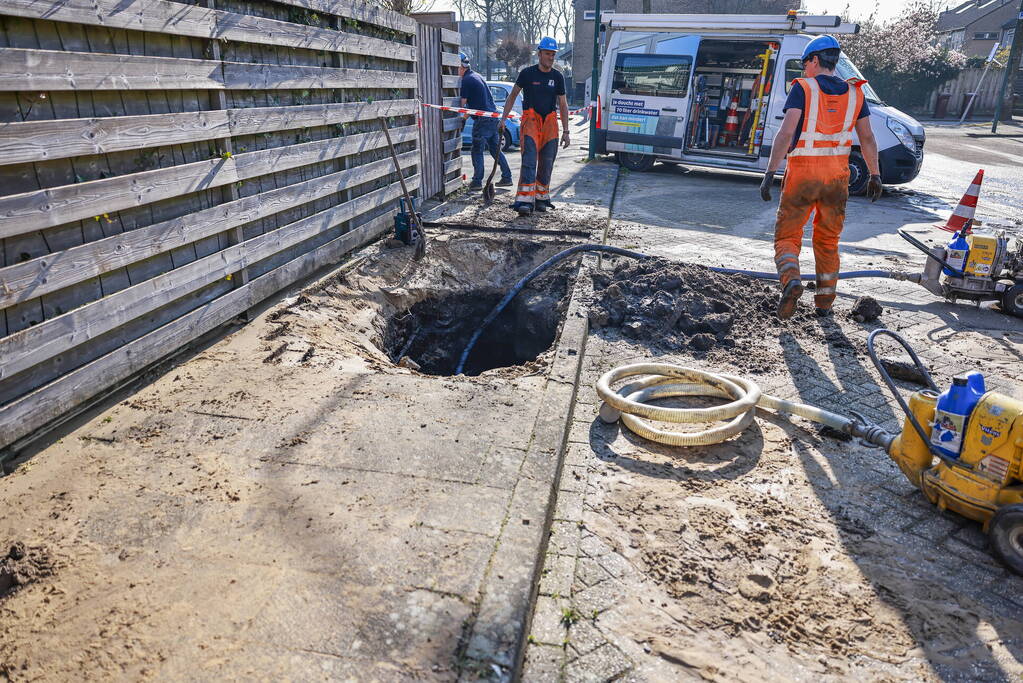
x=730, y=23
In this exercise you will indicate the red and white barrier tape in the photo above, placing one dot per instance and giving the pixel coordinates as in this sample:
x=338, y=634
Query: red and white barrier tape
x=491, y=114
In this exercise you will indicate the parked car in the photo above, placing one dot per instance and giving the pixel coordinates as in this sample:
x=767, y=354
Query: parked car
x=500, y=90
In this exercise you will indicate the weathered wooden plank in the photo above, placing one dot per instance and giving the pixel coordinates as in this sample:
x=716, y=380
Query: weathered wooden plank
x=161, y=16
x=49, y=70
x=451, y=101
x=450, y=59
x=453, y=165
x=449, y=124
x=452, y=144
x=453, y=185
x=450, y=81
x=29, y=211
x=450, y=37
x=58, y=335
x=31, y=141
x=359, y=10
x=269, y=77
x=31, y=279
x=32, y=411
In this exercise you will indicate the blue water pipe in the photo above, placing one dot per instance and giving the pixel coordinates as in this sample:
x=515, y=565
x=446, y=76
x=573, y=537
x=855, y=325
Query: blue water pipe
x=603, y=248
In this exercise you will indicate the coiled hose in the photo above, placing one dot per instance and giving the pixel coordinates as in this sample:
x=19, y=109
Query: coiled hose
x=664, y=380
x=582, y=248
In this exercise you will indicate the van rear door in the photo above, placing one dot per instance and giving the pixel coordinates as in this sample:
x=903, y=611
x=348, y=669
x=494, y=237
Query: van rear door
x=649, y=95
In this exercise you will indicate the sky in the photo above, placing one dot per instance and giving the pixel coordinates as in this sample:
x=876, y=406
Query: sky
x=857, y=8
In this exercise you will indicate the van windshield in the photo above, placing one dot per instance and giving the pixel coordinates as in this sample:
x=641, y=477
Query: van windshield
x=846, y=70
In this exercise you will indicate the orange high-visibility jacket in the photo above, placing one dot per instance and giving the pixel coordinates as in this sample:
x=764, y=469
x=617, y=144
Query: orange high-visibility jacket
x=829, y=120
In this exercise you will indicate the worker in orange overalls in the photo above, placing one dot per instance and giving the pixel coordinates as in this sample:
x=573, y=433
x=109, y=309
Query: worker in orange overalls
x=543, y=89
x=821, y=113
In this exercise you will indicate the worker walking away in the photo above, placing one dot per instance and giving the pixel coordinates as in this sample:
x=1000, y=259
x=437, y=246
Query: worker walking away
x=821, y=113
x=475, y=94
x=543, y=92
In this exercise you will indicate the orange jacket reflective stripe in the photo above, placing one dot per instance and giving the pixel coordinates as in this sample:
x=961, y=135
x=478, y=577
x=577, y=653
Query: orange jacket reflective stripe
x=829, y=120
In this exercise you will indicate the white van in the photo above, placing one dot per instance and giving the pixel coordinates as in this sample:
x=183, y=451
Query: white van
x=708, y=90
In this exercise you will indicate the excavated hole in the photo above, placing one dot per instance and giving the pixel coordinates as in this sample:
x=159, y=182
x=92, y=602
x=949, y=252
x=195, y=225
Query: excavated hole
x=434, y=331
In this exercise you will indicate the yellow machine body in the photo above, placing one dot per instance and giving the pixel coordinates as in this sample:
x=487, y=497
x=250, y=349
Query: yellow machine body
x=981, y=260
x=989, y=472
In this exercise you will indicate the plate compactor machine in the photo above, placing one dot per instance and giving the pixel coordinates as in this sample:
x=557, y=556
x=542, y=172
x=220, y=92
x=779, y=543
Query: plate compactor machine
x=973, y=267
x=963, y=448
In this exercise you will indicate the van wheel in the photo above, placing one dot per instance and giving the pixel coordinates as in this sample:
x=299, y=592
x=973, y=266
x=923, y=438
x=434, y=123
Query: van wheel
x=1012, y=300
x=859, y=175
x=635, y=161
x=1006, y=536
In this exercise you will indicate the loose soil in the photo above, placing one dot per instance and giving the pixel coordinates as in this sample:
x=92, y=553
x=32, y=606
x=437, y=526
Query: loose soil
x=668, y=307
x=23, y=565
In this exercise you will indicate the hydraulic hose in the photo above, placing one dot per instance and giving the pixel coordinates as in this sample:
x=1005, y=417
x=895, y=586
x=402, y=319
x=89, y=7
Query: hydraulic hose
x=513, y=292
x=664, y=380
x=924, y=436
x=582, y=248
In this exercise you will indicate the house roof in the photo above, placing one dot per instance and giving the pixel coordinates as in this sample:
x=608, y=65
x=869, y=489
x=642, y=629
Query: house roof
x=965, y=14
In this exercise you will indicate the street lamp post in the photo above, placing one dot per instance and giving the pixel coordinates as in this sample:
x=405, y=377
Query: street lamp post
x=594, y=77
x=478, y=25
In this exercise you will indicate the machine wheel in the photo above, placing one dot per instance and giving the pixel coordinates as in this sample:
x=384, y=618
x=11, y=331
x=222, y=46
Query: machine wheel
x=859, y=174
x=1012, y=300
x=1006, y=536
x=635, y=161
x=508, y=143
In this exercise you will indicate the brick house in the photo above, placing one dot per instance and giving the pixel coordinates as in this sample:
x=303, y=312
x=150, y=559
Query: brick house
x=975, y=26
x=582, y=53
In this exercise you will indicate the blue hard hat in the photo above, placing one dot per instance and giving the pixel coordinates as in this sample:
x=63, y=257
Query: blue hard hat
x=547, y=43
x=464, y=57
x=820, y=43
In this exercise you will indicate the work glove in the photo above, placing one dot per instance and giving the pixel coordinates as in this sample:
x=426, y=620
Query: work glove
x=765, y=186
x=874, y=188
x=565, y=139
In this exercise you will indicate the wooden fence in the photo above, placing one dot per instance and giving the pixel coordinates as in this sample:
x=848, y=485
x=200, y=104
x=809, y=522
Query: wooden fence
x=442, y=136
x=164, y=166
x=958, y=92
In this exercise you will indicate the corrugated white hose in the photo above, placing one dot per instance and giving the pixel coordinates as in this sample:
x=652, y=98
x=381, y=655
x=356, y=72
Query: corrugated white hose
x=664, y=380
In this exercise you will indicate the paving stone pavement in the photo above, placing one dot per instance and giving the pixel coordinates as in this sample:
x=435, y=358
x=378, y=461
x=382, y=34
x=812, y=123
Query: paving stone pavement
x=585, y=580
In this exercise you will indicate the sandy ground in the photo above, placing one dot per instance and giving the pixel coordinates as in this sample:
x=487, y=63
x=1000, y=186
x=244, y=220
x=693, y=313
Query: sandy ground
x=287, y=502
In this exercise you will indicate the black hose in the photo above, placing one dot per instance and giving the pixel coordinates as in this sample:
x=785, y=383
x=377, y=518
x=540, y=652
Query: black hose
x=952, y=462
x=525, y=280
x=927, y=250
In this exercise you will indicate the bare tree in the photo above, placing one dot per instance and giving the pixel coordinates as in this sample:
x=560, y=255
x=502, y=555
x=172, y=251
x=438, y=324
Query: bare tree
x=405, y=6
x=562, y=19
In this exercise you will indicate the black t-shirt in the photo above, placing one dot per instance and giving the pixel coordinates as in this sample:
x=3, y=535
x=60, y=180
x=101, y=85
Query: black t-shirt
x=540, y=89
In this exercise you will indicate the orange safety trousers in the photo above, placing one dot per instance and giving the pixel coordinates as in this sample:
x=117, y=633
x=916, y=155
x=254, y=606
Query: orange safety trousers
x=818, y=185
x=539, y=141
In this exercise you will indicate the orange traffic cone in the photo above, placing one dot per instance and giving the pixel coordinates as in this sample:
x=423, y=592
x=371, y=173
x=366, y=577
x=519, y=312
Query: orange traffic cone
x=732, y=122
x=962, y=217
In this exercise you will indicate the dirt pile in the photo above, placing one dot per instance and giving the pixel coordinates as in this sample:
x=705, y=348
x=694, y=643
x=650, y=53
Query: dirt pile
x=674, y=306
x=23, y=565
x=866, y=309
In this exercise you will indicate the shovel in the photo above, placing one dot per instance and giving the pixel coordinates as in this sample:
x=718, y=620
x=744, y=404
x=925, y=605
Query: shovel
x=415, y=224
x=488, y=190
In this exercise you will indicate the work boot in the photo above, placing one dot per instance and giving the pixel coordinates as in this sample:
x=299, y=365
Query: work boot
x=523, y=208
x=476, y=185
x=539, y=206
x=504, y=182
x=823, y=312
x=789, y=297
x=546, y=204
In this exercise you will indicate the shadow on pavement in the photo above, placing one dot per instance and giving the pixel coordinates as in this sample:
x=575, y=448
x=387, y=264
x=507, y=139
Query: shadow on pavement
x=900, y=567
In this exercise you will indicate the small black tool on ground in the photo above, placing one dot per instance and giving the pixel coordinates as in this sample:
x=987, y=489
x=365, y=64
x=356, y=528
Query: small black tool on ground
x=418, y=236
x=488, y=190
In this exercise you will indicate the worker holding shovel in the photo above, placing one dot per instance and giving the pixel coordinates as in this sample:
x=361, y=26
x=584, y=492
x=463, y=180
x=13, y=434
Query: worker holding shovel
x=543, y=89
x=821, y=113
x=475, y=94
